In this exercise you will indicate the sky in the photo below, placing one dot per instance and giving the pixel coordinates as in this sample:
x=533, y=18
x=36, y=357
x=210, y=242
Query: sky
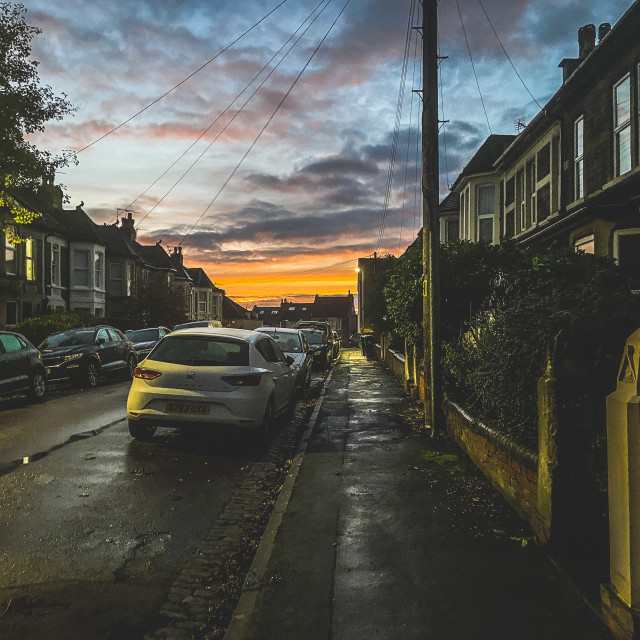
x=272, y=170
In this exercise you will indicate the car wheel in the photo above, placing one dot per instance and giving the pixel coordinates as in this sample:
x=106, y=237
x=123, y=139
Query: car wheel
x=141, y=430
x=91, y=374
x=131, y=367
x=38, y=386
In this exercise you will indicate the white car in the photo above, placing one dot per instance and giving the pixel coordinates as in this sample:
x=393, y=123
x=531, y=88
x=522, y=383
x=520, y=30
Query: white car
x=212, y=376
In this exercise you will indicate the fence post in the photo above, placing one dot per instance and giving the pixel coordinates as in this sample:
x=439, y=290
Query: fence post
x=620, y=598
x=547, y=448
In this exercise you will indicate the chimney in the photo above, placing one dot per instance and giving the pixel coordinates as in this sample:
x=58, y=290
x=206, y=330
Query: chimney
x=177, y=255
x=586, y=40
x=128, y=227
x=50, y=194
x=603, y=29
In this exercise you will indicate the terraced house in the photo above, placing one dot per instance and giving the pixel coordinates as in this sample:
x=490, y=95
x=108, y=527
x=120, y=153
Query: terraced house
x=65, y=261
x=572, y=175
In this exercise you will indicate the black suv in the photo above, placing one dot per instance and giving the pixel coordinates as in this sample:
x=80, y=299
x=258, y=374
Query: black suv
x=83, y=354
x=21, y=367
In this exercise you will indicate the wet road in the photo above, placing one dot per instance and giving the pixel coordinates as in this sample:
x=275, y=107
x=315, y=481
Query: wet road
x=95, y=529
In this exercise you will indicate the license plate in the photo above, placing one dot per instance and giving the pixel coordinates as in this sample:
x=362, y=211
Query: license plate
x=190, y=408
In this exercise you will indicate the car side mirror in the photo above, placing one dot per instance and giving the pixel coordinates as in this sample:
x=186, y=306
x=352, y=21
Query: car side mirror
x=289, y=360
x=100, y=341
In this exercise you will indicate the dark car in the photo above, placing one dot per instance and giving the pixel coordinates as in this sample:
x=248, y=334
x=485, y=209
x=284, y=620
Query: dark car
x=145, y=339
x=21, y=367
x=84, y=354
x=293, y=343
x=326, y=329
x=322, y=348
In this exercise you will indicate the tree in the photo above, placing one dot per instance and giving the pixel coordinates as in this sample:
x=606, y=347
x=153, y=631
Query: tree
x=159, y=305
x=25, y=107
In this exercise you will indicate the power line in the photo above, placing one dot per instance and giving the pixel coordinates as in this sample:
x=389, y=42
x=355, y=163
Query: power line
x=444, y=120
x=473, y=66
x=507, y=55
x=253, y=144
x=238, y=112
x=164, y=95
x=396, y=130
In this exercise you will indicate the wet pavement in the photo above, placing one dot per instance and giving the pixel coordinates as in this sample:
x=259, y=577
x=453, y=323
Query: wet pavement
x=382, y=532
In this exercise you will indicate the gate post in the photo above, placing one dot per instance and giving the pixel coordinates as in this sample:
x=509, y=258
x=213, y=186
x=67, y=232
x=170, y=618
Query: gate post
x=620, y=598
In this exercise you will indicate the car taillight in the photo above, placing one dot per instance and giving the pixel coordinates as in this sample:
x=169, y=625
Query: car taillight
x=146, y=374
x=243, y=379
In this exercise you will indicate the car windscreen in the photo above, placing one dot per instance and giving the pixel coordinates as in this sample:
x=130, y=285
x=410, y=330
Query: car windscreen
x=68, y=339
x=142, y=335
x=288, y=342
x=314, y=338
x=202, y=351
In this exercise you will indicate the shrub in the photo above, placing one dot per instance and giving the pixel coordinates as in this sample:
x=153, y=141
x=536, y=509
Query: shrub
x=38, y=328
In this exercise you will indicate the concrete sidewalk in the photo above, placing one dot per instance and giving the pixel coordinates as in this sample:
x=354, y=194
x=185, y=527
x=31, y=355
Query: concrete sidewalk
x=388, y=534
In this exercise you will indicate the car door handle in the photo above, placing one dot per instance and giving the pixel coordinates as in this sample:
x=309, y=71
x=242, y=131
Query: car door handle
x=275, y=378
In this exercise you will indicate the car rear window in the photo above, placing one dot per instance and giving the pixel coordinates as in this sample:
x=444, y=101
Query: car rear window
x=202, y=351
x=313, y=337
x=288, y=342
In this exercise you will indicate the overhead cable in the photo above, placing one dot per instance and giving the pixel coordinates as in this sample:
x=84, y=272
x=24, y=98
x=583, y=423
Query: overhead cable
x=507, y=55
x=267, y=123
x=473, y=66
x=396, y=130
x=238, y=112
x=166, y=93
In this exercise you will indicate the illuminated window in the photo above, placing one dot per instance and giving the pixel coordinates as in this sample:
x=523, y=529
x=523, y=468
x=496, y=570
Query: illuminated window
x=28, y=256
x=585, y=245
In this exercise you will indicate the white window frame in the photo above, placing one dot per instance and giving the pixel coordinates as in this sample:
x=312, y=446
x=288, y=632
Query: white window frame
x=616, y=240
x=619, y=128
x=578, y=158
x=486, y=216
x=81, y=269
x=10, y=248
x=98, y=266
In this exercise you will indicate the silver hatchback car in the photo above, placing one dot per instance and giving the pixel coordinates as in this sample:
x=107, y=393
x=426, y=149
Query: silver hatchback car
x=212, y=376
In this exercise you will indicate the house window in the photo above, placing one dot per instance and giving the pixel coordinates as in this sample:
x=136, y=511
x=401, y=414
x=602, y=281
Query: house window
x=99, y=270
x=531, y=191
x=116, y=278
x=55, y=265
x=578, y=158
x=622, y=126
x=521, y=200
x=509, y=224
x=202, y=302
x=80, y=268
x=486, y=210
x=451, y=230
x=509, y=192
x=9, y=253
x=585, y=245
x=543, y=202
x=30, y=270
x=12, y=313
x=626, y=251
x=543, y=161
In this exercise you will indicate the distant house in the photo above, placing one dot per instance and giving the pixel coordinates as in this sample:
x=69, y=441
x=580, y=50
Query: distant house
x=235, y=315
x=206, y=298
x=270, y=316
x=338, y=311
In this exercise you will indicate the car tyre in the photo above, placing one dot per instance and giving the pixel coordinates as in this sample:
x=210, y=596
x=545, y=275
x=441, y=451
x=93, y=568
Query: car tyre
x=142, y=431
x=38, y=386
x=91, y=374
x=132, y=363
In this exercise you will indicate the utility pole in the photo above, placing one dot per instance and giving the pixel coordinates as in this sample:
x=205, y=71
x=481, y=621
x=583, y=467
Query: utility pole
x=430, y=222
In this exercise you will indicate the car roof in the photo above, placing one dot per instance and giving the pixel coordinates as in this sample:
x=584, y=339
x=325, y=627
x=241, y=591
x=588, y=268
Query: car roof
x=277, y=330
x=223, y=332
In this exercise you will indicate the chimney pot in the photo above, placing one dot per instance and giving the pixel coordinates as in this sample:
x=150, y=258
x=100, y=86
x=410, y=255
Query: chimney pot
x=586, y=40
x=603, y=29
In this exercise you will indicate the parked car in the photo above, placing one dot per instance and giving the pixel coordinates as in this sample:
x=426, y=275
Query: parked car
x=212, y=377
x=145, y=339
x=326, y=329
x=198, y=323
x=322, y=349
x=293, y=343
x=86, y=353
x=21, y=367
x=337, y=343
